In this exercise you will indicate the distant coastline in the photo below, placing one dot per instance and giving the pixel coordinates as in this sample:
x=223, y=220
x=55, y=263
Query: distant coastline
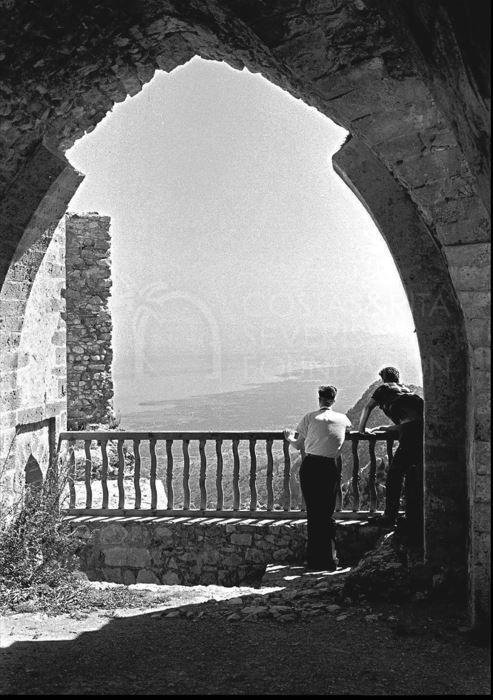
x=262, y=391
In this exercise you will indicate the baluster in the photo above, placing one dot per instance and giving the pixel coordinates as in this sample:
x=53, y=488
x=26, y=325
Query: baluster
x=153, y=473
x=219, y=475
x=121, y=474
x=104, y=472
x=71, y=474
x=371, y=477
x=338, y=507
x=270, y=474
x=355, y=479
x=236, y=475
x=390, y=455
x=287, y=475
x=138, y=494
x=87, y=473
x=169, y=474
x=253, y=475
x=186, y=475
x=203, y=474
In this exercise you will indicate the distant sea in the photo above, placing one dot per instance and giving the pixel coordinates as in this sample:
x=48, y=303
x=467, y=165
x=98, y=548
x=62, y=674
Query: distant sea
x=250, y=392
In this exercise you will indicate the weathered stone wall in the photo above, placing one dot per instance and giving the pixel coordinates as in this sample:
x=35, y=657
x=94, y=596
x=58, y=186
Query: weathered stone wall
x=453, y=39
x=33, y=376
x=193, y=551
x=89, y=327
x=32, y=327
x=470, y=269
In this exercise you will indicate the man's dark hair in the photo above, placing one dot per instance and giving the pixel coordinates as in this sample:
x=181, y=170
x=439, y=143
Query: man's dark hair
x=327, y=393
x=390, y=374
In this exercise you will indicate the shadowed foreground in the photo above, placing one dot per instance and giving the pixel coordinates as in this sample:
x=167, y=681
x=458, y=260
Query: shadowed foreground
x=151, y=654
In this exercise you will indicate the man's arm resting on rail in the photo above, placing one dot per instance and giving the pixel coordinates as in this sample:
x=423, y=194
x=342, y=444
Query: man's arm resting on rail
x=387, y=429
x=365, y=414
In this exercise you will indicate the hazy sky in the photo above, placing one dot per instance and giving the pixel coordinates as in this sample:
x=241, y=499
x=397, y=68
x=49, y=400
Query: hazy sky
x=227, y=215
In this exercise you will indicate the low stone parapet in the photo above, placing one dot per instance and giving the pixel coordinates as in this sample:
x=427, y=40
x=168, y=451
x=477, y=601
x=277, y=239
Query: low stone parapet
x=202, y=551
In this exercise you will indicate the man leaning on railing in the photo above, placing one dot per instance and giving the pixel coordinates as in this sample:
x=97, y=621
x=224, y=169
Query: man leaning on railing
x=322, y=434
x=405, y=409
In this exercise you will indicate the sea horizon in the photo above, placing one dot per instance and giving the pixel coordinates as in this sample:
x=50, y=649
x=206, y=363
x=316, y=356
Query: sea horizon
x=262, y=391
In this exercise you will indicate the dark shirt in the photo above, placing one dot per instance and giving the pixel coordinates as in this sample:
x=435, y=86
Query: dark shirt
x=386, y=397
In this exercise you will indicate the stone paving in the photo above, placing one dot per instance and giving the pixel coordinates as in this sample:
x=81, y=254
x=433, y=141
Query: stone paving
x=288, y=593
x=284, y=588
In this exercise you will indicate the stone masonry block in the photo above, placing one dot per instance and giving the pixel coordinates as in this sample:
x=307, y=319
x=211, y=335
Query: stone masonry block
x=482, y=381
x=419, y=170
x=481, y=517
x=483, y=457
x=241, y=539
x=482, y=488
x=476, y=255
x=482, y=425
x=255, y=556
x=475, y=304
x=163, y=533
x=135, y=557
x=482, y=585
x=112, y=534
x=469, y=278
x=138, y=535
x=113, y=575
x=464, y=231
x=128, y=577
x=147, y=576
x=483, y=547
x=479, y=331
x=482, y=358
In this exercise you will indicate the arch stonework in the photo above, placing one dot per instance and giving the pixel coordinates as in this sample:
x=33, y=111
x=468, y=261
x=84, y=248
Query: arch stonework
x=401, y=77
x=442, y=344
x=32, y=326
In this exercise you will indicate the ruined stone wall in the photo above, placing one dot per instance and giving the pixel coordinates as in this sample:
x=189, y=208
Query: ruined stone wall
x=89, y=327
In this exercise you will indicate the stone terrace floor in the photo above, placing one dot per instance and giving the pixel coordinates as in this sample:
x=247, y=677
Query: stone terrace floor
x=293, y=635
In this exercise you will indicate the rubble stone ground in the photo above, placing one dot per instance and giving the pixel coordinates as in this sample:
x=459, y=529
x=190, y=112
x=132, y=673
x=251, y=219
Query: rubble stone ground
x=297, y=633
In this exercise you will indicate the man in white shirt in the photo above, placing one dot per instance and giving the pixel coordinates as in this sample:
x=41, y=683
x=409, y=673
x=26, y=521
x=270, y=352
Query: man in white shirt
x=322, y=434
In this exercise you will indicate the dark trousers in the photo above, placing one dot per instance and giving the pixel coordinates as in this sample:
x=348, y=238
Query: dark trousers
x=319, y=477
x=406, y=469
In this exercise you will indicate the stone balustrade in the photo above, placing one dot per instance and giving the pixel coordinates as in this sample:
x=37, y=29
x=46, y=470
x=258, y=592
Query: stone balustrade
x=244, y=472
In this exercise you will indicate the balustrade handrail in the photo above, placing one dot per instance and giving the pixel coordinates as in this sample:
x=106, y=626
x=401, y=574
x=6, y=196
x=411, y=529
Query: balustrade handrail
x=198, y=434
x=185, y=437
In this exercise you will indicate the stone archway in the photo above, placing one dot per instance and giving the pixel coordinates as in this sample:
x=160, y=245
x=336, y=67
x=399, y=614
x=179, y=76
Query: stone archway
x=442, y=343
x=364, y=63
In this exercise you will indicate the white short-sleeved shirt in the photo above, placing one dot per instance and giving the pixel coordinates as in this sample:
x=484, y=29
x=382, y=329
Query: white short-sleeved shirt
x=323, y=432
